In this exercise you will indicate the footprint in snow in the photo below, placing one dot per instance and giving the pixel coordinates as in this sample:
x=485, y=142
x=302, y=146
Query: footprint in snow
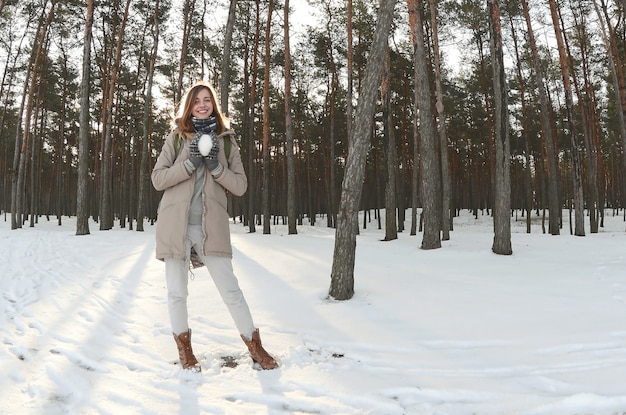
x=86, y=316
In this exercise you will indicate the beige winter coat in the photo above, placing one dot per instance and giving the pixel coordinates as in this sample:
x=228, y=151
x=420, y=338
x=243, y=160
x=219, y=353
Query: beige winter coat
x=171, y=176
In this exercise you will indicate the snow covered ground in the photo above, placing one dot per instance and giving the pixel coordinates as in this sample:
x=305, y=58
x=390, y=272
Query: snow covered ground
x=457, y=330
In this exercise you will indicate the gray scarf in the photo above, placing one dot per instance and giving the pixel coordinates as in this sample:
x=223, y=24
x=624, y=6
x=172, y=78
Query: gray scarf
x=205, y=125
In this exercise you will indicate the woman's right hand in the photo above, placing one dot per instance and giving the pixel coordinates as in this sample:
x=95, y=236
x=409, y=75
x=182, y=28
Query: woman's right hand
x=194, y=153
x=195, y=158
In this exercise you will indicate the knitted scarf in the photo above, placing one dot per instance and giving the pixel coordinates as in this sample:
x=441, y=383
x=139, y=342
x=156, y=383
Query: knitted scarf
x=204, y=125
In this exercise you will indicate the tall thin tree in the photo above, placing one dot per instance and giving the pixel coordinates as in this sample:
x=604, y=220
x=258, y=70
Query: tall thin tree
x=6, y=85
x=266, y=122
x=144, y=185
x=331, y=218
x=30, y=86
x=587, y=107
x=188, y=11
x=391, y=205
x=609, y=38
x=106, y=209
x=415, y=182
x=250, y=97
x=350, y=69
x=342, y=272
x=431, y=168
x=502, y=183
x=525, y=122
x=446, y=185
x=546, y=129
x=578, y=200
x=60, y=156
x=291, y=163
x=226, y=59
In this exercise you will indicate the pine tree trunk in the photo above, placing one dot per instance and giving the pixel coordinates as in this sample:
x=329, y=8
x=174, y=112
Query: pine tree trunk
x=251, y=85
x=144, y=184
x=291, y=165
x=59, y=156
x=502, y=183
x=446, y=185
x=5, y=86
x=342, y=272
x=391, y=224
x=544, y=115
x=525, y=132
x=266, y=125
x=106, y=205
x=35, y=153
x=22, y=146
x=609, y=38
x=415, y=189
x=188, y=11
x=350, y=70
x=331, y=217
x=577, y=196
x=431, y=168
x=82, y=196
x=226, y=61
x=587, y=107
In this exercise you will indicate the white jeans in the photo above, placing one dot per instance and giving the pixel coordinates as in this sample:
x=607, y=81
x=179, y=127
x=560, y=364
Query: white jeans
x=221, y=270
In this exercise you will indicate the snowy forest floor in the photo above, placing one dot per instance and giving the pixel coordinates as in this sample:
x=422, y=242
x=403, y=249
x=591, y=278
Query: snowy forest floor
x=458, y=330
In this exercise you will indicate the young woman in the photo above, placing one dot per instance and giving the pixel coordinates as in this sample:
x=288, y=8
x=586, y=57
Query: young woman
x=193, y=223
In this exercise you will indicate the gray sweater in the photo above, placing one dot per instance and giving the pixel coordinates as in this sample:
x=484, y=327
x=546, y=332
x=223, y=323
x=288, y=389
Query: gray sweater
x=196, y=208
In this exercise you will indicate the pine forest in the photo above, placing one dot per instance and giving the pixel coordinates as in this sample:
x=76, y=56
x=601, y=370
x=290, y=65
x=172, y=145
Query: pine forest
x=509, y=108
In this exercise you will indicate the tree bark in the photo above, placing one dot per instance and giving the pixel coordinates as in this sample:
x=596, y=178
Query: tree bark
x=266, y=124
x=36, y=149
x=342, y=272
x=6, y=85
x=331, y=218
x=350, y=69
x=106, y=209
x=22, y=150
x=415, y=189
x=391, y=205
x=431, y=168
x=588, y=112
x=525, y=131
x=577, y=196
x=446, y=185
x=617, y=75
x=291, y=165
x=250, y=113
x=59, y=157
x=544, y=115
x=502, y=183
x=226, y=61
x=144, y=184
x=188, y=9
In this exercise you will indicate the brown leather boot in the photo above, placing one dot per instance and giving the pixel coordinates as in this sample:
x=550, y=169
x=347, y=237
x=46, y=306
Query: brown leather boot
x=185, y=354
x=258, y=353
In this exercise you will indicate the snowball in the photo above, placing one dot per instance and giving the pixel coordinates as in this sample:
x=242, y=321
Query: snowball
x=205, y=144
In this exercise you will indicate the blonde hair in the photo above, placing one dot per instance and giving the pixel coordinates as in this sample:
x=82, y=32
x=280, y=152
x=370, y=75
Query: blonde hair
x=183, y=116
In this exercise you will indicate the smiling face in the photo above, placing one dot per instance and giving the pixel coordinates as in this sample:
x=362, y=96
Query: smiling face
x=200, y=102
x=202, y=106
